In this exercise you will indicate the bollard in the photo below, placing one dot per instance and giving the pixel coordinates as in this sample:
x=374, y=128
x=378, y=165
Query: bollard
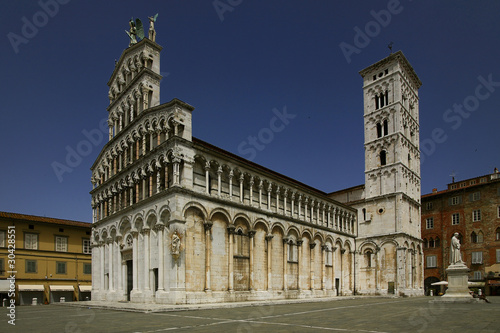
x=34, y=301
x=62, y=299
x=4, y=302
x=432, y=293
x=87, y=298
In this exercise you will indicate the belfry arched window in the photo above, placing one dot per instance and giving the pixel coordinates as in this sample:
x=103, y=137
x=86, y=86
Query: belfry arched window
x=383, y=157
x=386, y=127
x=379, y=130
x=381, y=99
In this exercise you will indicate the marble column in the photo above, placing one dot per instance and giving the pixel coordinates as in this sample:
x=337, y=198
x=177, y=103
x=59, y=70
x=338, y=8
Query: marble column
x=231, y=185
x=311, y=247
x=118, y=260
x=230, y=232
x=145, y=233
x=285, y=263
x=324, y=249
x=207, y=178
x=269, y=189
x=251, y=235
x=219, y=181
x=269, y=239
x=208, y=227
x=102, y=261
x=242, y=178
x=299, y=258
x=161, y=259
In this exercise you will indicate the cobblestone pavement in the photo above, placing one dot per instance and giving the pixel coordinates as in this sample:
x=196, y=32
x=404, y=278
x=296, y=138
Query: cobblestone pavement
x=355, y=314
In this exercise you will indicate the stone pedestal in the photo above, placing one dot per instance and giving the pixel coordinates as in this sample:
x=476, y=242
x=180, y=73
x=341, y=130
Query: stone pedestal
x=458, y=285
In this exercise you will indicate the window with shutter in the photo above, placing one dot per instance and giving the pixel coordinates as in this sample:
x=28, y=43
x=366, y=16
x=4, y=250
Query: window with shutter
x=476, y=215
x=2, y=238
x=430, y=223
x=431, y=261
x=61, y=244
x=30, y=266
x=31, y=241
x=477, y=257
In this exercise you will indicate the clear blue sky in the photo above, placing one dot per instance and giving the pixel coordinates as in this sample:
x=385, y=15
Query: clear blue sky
x=235, y=64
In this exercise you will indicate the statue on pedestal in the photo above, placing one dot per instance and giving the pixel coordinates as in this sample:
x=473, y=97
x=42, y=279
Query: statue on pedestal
x=455, y=255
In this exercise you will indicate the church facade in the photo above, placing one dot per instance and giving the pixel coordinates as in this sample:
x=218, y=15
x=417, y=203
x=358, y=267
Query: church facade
x=178, y=220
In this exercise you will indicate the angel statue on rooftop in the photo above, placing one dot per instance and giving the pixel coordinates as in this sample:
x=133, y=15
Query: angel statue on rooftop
x=152, y=31
x=136, y=30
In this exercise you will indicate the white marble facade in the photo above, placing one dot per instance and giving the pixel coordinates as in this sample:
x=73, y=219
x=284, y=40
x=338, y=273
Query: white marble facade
x=177, y=220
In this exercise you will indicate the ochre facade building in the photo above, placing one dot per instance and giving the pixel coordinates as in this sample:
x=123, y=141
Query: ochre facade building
x=46, y=259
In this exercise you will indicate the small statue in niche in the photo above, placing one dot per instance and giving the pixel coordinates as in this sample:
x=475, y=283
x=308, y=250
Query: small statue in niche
x=176, y=245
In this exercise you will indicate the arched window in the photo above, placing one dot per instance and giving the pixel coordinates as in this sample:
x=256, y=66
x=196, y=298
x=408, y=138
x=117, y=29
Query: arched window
x=473, y=237
x=436, y=242
x=431, y=242
x=480, y=237
x=368, y=258
x=498, y=234
x=379, y=130
x=382, y=100
x=386, y=127
x=364, y=214
x=377, y=104
x=426, y=244
x=383, y=157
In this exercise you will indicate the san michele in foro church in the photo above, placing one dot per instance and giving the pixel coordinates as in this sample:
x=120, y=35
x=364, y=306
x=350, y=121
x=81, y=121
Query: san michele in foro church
x=177, y=220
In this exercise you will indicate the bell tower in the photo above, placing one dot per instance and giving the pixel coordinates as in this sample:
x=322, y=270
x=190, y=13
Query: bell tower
x=392, y=154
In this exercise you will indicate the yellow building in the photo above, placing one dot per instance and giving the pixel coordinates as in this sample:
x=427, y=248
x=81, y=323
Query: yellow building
x=44, y=258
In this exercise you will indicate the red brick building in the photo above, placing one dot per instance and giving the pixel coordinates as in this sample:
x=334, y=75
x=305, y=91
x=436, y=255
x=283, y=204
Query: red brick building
x=472, y=208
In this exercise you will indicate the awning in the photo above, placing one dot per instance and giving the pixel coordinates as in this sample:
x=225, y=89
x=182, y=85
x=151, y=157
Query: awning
x=85, y=289
x=440, y=283
x=61, y=288
x=4, y=286
x=31, y=287
x=494, y=283
x=476, y=284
